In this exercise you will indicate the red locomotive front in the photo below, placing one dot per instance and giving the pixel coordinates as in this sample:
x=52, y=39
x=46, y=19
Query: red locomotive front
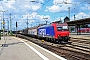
x=61, y=32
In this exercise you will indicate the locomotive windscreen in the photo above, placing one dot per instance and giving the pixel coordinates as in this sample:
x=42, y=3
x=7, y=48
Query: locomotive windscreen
x=62, y=28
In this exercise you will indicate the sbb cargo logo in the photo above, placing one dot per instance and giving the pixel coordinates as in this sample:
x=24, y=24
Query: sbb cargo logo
x=42, y=32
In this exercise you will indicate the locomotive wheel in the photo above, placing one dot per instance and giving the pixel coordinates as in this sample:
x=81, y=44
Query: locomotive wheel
x=52, y=40
x=58, y=41
x=66, y=39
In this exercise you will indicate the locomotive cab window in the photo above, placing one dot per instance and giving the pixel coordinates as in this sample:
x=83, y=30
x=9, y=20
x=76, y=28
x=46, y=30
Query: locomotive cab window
x=61, y=28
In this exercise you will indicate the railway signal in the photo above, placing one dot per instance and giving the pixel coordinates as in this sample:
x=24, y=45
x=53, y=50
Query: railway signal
x=16, y=28
x=16, y=24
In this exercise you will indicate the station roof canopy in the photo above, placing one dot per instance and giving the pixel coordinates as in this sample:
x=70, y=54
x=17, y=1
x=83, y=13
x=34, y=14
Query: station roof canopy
x=79, y=22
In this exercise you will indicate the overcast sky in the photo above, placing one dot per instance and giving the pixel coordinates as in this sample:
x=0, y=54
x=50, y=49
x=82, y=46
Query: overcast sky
x=54, y=10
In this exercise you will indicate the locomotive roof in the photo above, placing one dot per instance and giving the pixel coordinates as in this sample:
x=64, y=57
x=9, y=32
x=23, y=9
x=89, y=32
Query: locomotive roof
x=35, y=27
x=62, y=24
x=44, y=26
x=58, y=24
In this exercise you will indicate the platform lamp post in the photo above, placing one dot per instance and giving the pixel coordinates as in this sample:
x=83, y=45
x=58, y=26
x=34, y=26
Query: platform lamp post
x=1, y=27
x=3, y=23
x=10, y=24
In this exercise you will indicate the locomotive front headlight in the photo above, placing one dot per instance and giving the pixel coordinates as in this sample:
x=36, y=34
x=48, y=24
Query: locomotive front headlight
x=58, y=35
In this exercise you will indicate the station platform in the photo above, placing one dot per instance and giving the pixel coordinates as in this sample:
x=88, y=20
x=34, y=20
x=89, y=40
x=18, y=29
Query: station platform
x=82, y=35
x=13, y=48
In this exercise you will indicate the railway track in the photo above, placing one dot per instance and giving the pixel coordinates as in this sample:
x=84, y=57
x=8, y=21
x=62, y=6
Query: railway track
x=77, y=48
x=72, y=51
x=80, y=40
x=75, y=45
x=67, y=53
